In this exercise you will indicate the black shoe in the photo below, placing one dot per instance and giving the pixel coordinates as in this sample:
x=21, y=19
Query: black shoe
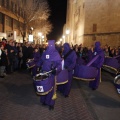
x=51, y=107
x=66, y=96
x=93, y=88
x=2, y=76
x=43, y=104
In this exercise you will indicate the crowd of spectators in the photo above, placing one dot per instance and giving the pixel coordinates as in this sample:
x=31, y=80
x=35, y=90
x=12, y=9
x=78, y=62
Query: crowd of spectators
x=13, y=55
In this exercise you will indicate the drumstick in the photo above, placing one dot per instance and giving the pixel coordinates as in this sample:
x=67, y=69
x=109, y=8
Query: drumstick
x=43, y=73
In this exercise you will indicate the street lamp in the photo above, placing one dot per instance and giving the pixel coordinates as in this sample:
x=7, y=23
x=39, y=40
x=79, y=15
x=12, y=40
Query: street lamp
x=40, y=34
x=63, y=38
x=67, y=33
x=43, y=38
x=61, y=41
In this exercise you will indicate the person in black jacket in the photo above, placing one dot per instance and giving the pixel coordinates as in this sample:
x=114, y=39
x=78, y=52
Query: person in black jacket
x=11, y=54
x=3, y=61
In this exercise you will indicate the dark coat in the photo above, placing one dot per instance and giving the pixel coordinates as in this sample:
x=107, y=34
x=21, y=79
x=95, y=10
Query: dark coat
x=4, y=59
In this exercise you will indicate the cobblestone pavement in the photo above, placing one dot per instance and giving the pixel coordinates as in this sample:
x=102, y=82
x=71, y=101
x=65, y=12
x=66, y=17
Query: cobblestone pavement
x=105, y=101
x=18, y=101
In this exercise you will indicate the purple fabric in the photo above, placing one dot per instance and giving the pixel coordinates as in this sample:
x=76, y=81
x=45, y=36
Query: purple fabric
x=47, y=84
x=98, y=51
x=95, y=58
x=36, y=56
x=117, y=86
x=62, y=76
x=80, y=61
x=34, y=70
x=47, y=99
x=67, y=48
x=86, y=72
x=70, y=61
x=112, y=62
x=118, y=58
x=51, y=51
x=94, y=84
x=98, y=64
x=53, y=62
x=69, y=64
x=89, y=55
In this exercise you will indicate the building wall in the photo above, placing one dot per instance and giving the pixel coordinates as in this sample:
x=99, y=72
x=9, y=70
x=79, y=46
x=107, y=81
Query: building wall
x=102, y=21
x=9, y=10
x=93, y=20
x=75, y=20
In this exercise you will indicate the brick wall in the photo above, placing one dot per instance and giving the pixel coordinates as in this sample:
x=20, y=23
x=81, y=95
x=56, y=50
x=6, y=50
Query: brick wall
x=97, y=20
x=105, y=15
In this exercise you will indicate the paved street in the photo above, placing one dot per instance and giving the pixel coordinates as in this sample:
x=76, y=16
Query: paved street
x=18, y=101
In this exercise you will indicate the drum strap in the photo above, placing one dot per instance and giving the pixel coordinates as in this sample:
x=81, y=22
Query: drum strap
x=93, y=60
x=68, y=54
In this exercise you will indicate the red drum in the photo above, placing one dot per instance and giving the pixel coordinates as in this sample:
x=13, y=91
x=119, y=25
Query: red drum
x=86, y=73
x=43, y=85
x=30, y=64
x=62, y=77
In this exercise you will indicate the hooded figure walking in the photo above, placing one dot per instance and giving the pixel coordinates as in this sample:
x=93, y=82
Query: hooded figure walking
x=50, y=60
x=69, y=57
x=98, y=64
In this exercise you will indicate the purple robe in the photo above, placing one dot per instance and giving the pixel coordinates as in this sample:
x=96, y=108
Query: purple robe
x=98, y=64
x=50, y=60
x=69, y=64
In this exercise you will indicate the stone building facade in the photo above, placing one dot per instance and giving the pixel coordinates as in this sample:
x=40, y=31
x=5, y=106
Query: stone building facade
x=93, y=20
x=10, y=23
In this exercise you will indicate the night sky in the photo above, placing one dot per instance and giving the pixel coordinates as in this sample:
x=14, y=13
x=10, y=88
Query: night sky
x=57, y=18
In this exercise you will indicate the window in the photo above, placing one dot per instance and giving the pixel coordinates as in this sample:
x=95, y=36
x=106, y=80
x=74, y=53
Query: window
x=12, y=6
x=15, y=8
x=1, y=18
x=8, y=4
x=8, y=21
x=19, y=11
x=16, y=24
x=94, y=27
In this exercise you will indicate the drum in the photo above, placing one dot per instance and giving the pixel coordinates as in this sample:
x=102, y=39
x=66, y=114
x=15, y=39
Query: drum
x=80, y=61
x=86, y=73
x=112, y=62
x=43, y=84
x=117, y=83
x=30, y=64
x=111, y=65
x=62, y=77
